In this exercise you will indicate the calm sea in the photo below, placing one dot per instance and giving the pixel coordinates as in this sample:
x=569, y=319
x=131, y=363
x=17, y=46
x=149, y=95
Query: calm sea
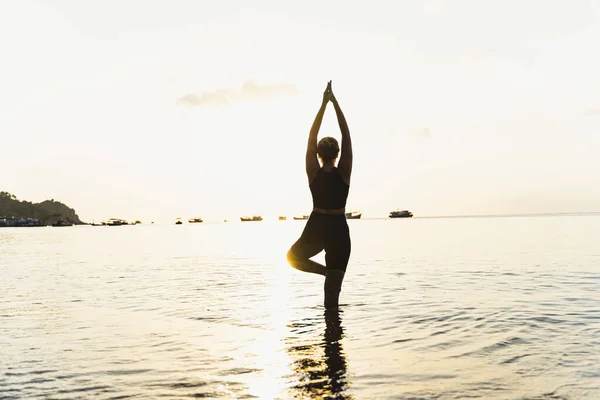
x=493, y=308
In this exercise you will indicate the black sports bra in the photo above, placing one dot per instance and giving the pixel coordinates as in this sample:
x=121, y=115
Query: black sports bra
x=328, y=189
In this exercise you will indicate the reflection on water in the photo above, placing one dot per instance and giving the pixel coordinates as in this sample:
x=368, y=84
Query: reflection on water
x=319, y=368
x=500, y=308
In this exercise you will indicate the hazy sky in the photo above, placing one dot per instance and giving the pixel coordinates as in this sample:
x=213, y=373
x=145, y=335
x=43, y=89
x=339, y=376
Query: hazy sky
x=160, y=109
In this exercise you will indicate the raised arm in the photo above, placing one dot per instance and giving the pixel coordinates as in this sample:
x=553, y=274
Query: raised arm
x=345, y=163
x=312, y=162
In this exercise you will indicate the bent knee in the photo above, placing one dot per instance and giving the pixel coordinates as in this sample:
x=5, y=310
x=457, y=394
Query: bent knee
x=291, y=257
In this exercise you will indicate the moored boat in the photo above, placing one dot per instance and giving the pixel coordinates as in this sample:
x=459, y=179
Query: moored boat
x=116, y=222
x=253, y=218
x=400, y=214
x=194, y=220
x=353, y=215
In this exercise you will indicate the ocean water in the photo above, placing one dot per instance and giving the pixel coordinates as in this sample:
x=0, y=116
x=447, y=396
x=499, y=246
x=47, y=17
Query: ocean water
x=492, y=308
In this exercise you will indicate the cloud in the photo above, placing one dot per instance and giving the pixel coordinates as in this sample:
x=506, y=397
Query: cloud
x=217, y=98
x=249, y=91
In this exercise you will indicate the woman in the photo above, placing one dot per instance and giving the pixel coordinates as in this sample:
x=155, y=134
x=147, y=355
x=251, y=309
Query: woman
x=326, y=229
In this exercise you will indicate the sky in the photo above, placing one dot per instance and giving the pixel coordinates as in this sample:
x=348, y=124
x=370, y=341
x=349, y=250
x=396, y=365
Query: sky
x=154, y=110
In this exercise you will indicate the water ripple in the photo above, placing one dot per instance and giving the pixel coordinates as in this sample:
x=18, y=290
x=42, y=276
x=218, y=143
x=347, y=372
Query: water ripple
x=151, y=311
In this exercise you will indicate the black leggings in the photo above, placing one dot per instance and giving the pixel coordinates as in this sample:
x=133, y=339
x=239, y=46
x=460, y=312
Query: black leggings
x=325, y=232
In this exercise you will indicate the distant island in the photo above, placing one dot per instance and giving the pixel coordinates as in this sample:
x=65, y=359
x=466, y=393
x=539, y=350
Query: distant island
x=47, y=212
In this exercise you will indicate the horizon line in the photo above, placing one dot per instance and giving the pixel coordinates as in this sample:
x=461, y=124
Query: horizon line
x=574, y=213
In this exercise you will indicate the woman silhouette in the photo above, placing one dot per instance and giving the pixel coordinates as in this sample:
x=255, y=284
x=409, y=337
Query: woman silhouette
x=326, y=229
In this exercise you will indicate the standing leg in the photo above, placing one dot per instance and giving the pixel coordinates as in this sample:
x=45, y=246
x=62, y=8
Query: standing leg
x=337, y=254
x=333, y=287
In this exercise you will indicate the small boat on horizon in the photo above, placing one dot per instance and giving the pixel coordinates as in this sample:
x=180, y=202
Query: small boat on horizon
x=282, y=218
x=116, y=222
x=178, y=221
x=400, y=214
x=253, y=218
x=194, y=220
x=353, y=215
x=303, y=217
